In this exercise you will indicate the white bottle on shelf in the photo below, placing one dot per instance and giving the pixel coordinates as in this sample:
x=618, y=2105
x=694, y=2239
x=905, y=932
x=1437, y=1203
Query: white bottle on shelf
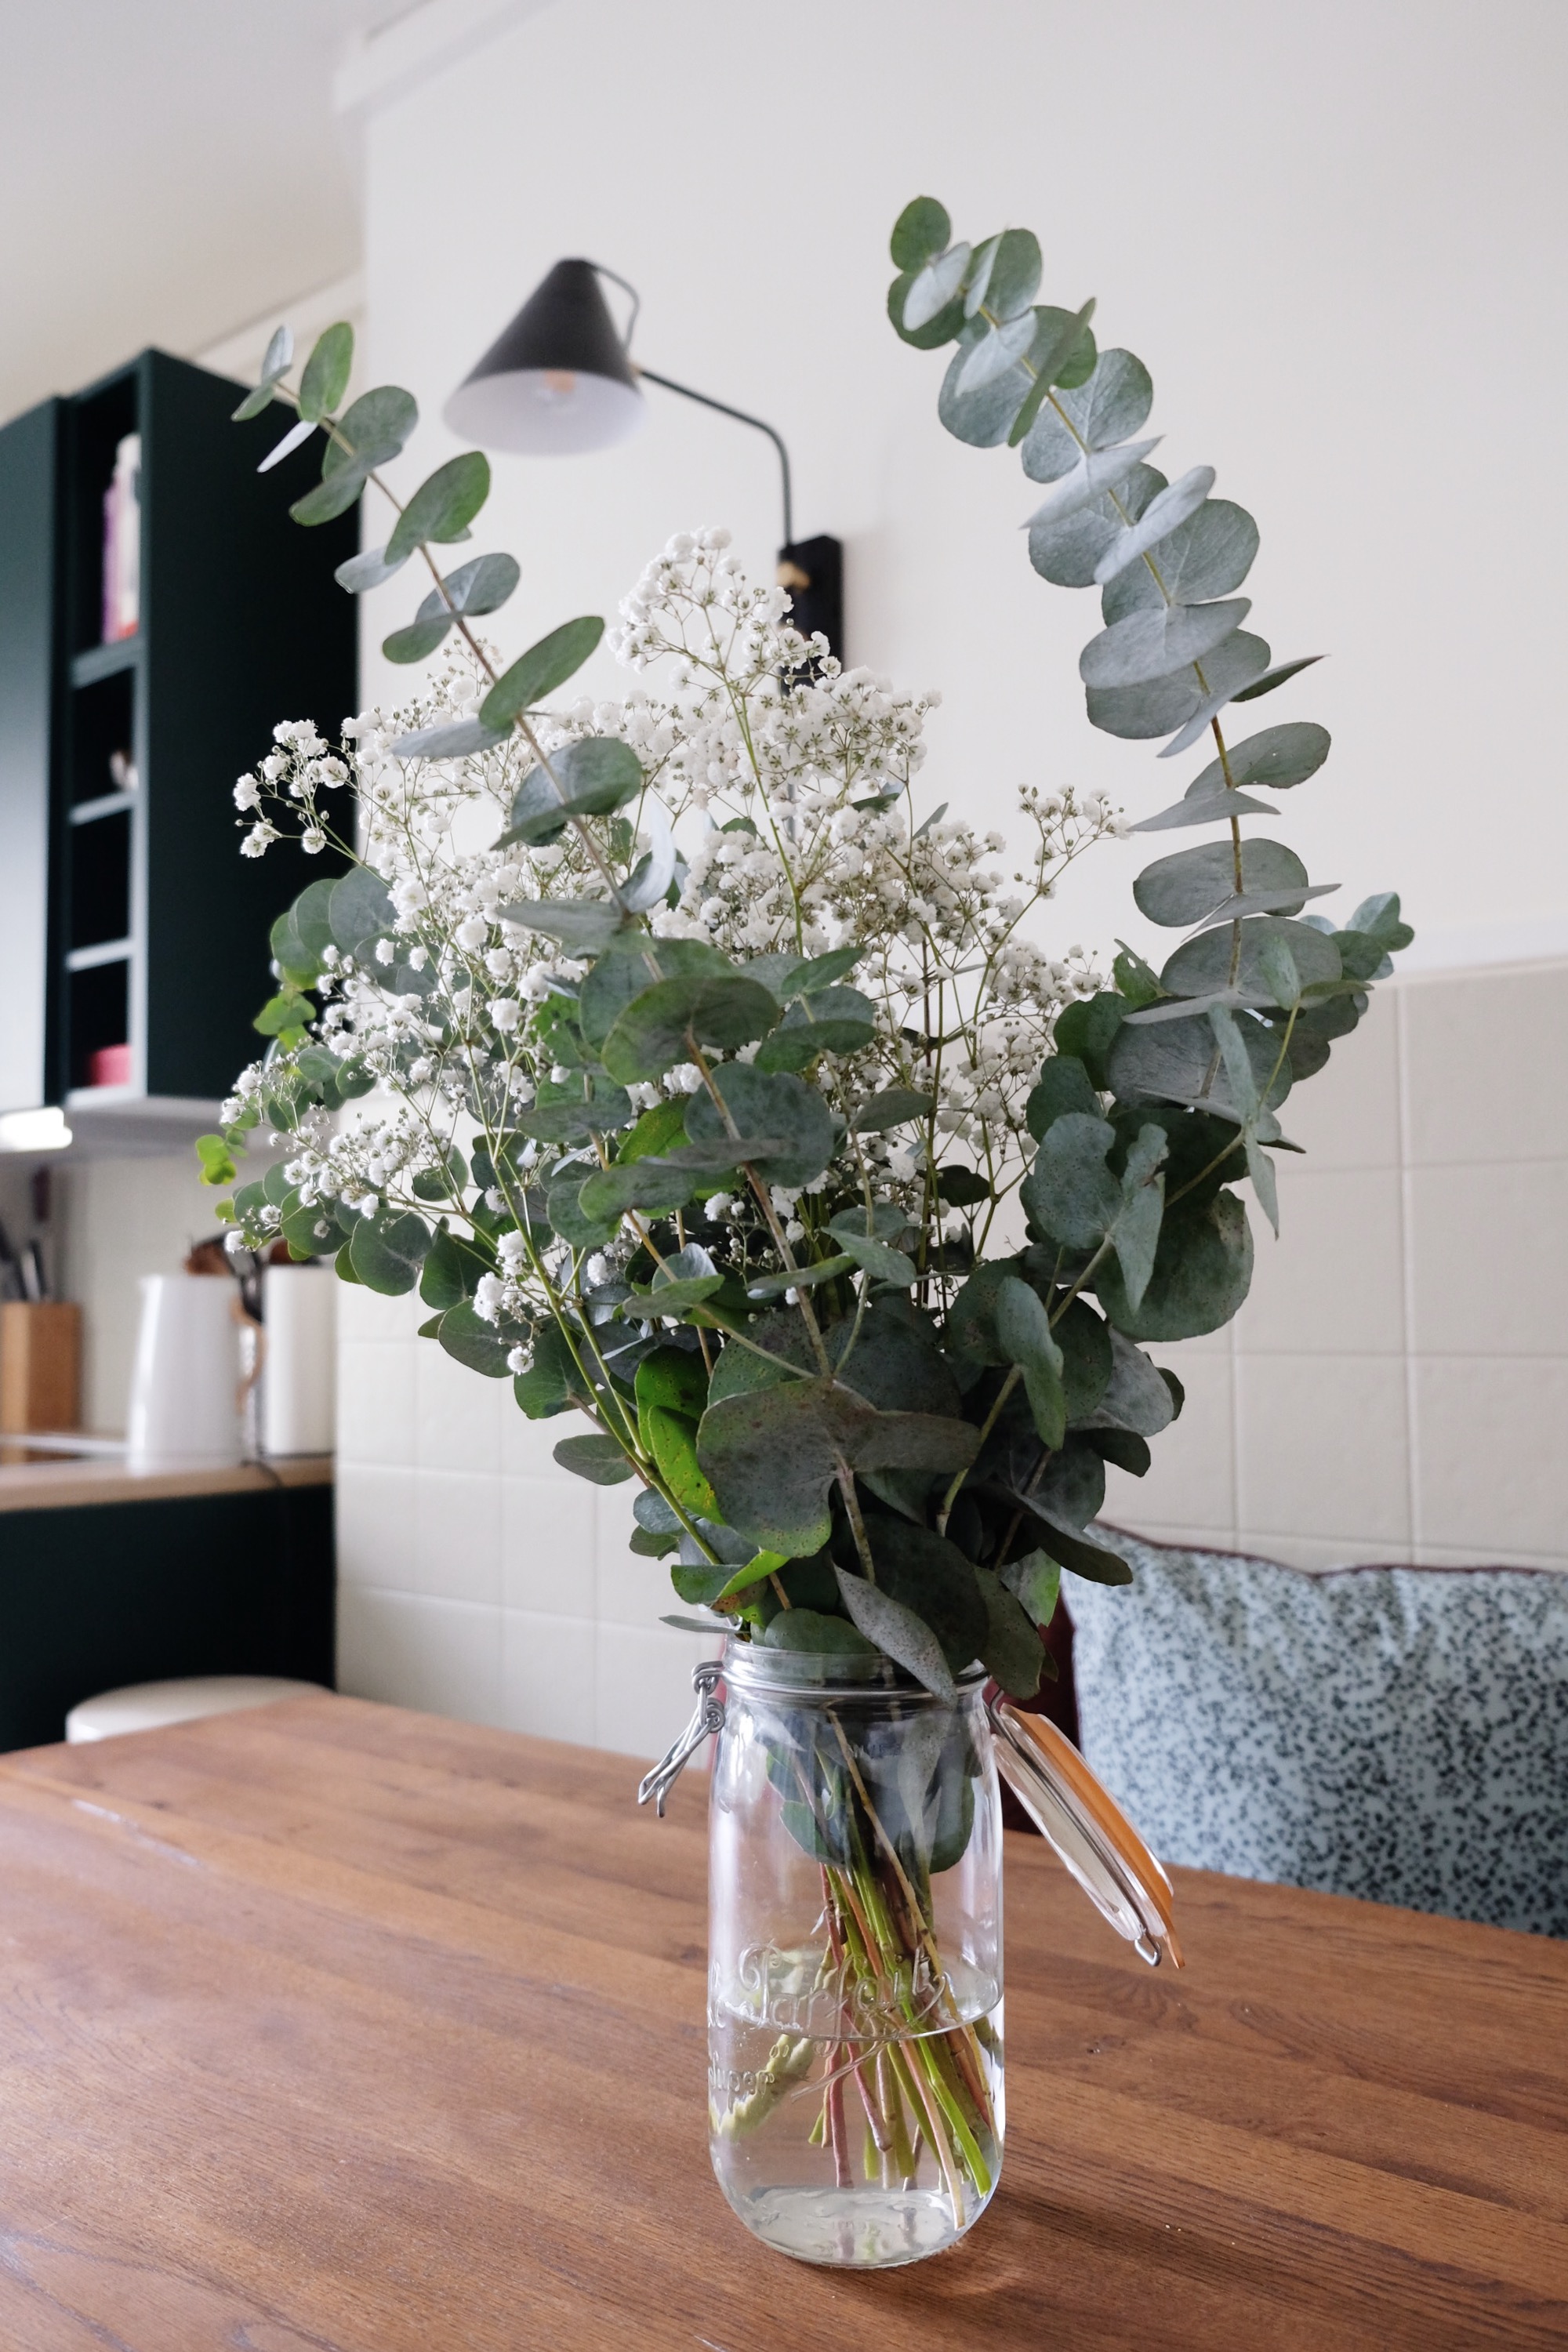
x=122, y=543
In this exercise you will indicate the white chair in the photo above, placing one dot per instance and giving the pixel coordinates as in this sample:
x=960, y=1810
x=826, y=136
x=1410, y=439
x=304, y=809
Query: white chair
x=147, y=1706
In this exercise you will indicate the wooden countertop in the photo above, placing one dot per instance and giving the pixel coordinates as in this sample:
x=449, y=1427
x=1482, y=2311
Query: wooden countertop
x=330, y=2028
x=60, y=1483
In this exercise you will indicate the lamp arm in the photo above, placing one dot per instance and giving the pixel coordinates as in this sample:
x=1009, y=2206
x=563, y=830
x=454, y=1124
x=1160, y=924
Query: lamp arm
x=741, y=418
x=705, y=399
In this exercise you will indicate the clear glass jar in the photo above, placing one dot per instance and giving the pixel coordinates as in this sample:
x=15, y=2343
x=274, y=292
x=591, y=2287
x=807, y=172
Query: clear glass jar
x=855, y=1957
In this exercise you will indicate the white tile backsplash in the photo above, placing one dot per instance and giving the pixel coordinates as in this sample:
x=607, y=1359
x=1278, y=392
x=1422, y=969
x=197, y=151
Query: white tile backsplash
x=1395, y=1389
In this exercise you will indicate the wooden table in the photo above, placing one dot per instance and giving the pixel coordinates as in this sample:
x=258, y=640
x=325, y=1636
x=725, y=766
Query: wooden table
x=328, y=2027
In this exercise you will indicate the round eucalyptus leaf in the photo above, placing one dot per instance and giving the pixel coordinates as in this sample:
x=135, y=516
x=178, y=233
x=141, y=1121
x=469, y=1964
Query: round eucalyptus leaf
x=1006, y=275
x=921, y=232
x=539, y=671
x=603, y=1197
x=457, y=739
x=360, y=911
x=482, y=1347
x=444, y=505
x=1202, y=967
x=947, y=323
x=1151, y=645
x=1164, y=514
x=827, y=1020
x=1094, y=475
x=1215, y=807
x=1208, y=555
x=325, y=378
x=1203, y=1270
x=420, y=637
x=386, y=1251
x=1276, y=758
x=657, y=1028
x=997, y=350
x=582, y=926
x=630, y=967
x=592, y=777
x=981, y=416
x=1183, y=889
x=367, y=571
x=1139, y=712
x=892, y=1106
x=567, y=1217
x=331, y=497
x=481, y=586
x=1180, y=1061
x=1110, y=407
x=374, y=427
x=935, y=286
x=1066, y=553
x=764, y=1102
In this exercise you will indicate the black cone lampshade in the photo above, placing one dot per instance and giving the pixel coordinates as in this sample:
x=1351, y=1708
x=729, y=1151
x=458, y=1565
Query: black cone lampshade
x=558, y=380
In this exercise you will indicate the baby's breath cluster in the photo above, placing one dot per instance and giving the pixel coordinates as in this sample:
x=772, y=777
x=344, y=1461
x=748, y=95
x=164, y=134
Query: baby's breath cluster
x=788, y=782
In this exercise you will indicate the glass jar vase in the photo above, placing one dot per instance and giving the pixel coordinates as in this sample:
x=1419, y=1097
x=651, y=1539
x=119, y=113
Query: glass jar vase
x=855, y=1957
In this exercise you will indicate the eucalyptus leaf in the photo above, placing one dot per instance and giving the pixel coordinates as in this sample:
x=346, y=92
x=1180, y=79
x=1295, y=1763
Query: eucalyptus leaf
x=594, y=776
x=1151, y=644
x=1005, y=274
x=1208, y=555
x=600, y=1460
x=660, y=1027
x=649, y=883
x=444, y=505
x=808, y=1630
x=652, y=1183
x=293, y=439
x=998, y=349
x=386, y=1251
x=1275, y=759
x=1179, y=1061
x=1064, y=1085
x=482, y=1347
x=1276, y=677
x=805, y=1277
x=456, y=739
x=1135, y=1398
x=1095, y=474
x=275, y=366
x=921, y=232
x=418, y=639
x=827, y=1020
x=371, y=432
x=892, y=1106
x=1140, y=712
x=1217, y=807
x=628, y=968
x=367, y=571
x=325, y=378
x=930, y=1576
x=1163, y=515
x=1202, y=967
x=772, y=1455
x=935, y=286
x=1037, y=1581
x=359, y=911
x=905, y=1638
x=539, y=671
x=580, y=927
x=1110, y=407
x=1012, y=1652
x=762, y=1103
x=1186, y=887
x=1065, y=553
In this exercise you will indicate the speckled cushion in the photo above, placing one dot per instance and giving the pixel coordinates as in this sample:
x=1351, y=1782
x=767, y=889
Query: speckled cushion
x=1395, y=1733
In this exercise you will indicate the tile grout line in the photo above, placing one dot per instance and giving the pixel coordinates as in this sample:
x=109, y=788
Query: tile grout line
x=1407, y=1274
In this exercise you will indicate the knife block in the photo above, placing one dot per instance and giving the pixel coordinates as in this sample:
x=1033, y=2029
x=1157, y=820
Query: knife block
x=41, y=1366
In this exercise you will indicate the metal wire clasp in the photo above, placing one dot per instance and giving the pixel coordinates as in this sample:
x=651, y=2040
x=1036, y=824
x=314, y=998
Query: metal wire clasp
x=708, y=1715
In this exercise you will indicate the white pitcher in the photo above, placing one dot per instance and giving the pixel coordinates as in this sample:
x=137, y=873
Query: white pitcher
x=184, y=1386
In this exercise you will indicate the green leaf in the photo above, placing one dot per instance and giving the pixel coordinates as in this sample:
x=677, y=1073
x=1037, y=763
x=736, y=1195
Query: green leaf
x=1111, y=406
x=551, y=1383
x=285, y=1016
x=598, y=1459
x=442, y=506
x=419, y=639
x=1208, y=555
x=330, y=498
x=218, y=1160
x=921, y=232
x=647, y=1184
x=453, y=739
x=804, y=1628
x=1137, y=713
x=856, y=1232
x=658, y=1127
x=360, y=911
x=1064, y=1085
x=1278, y=677
x=1202, y=966
x=592, y=777
x=1005, y=276
x=773, y=1455
x=760, y=1104
x=673, y=1379
x=483, y=1347
x=832, y=1021
x=932, y=1577
x=1202, y=1269
x=934, y=286
x=892, y=1106
x=1136, y=1397
x=898, y=1633
x=1067, y=549
x=452, y=1269
x=1275, y=758
x=366, y=571
x=1136, y=981
x=569, y=1219
x=386, y=1251
x=1189, y=886
x=659, y=1027
x=275, y=365
x=1037, y=1581
x=1151, y=644
x=631, y=964
x=539, y=671
x=1012, y=1652
x=299, y=938
x=581, y=926
x=1069, y=1191
x=375, y=426
x=947, y=323
x=326, y=376
x=961, y=1188
x=1024, y=1334
x=1088, y=1029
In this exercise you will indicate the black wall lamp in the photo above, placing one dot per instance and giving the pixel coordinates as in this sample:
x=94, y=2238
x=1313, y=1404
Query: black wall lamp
x=560, y=379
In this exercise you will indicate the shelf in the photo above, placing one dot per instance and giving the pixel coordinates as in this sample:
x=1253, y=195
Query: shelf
x=105, y=661
x=106, y=951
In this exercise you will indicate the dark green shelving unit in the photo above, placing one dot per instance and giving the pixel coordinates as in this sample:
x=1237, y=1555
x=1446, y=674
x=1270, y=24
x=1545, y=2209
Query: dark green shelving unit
x=128, y=916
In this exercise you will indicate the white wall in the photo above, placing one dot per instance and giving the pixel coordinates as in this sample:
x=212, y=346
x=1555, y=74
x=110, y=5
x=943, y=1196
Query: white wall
x=1333, y=237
